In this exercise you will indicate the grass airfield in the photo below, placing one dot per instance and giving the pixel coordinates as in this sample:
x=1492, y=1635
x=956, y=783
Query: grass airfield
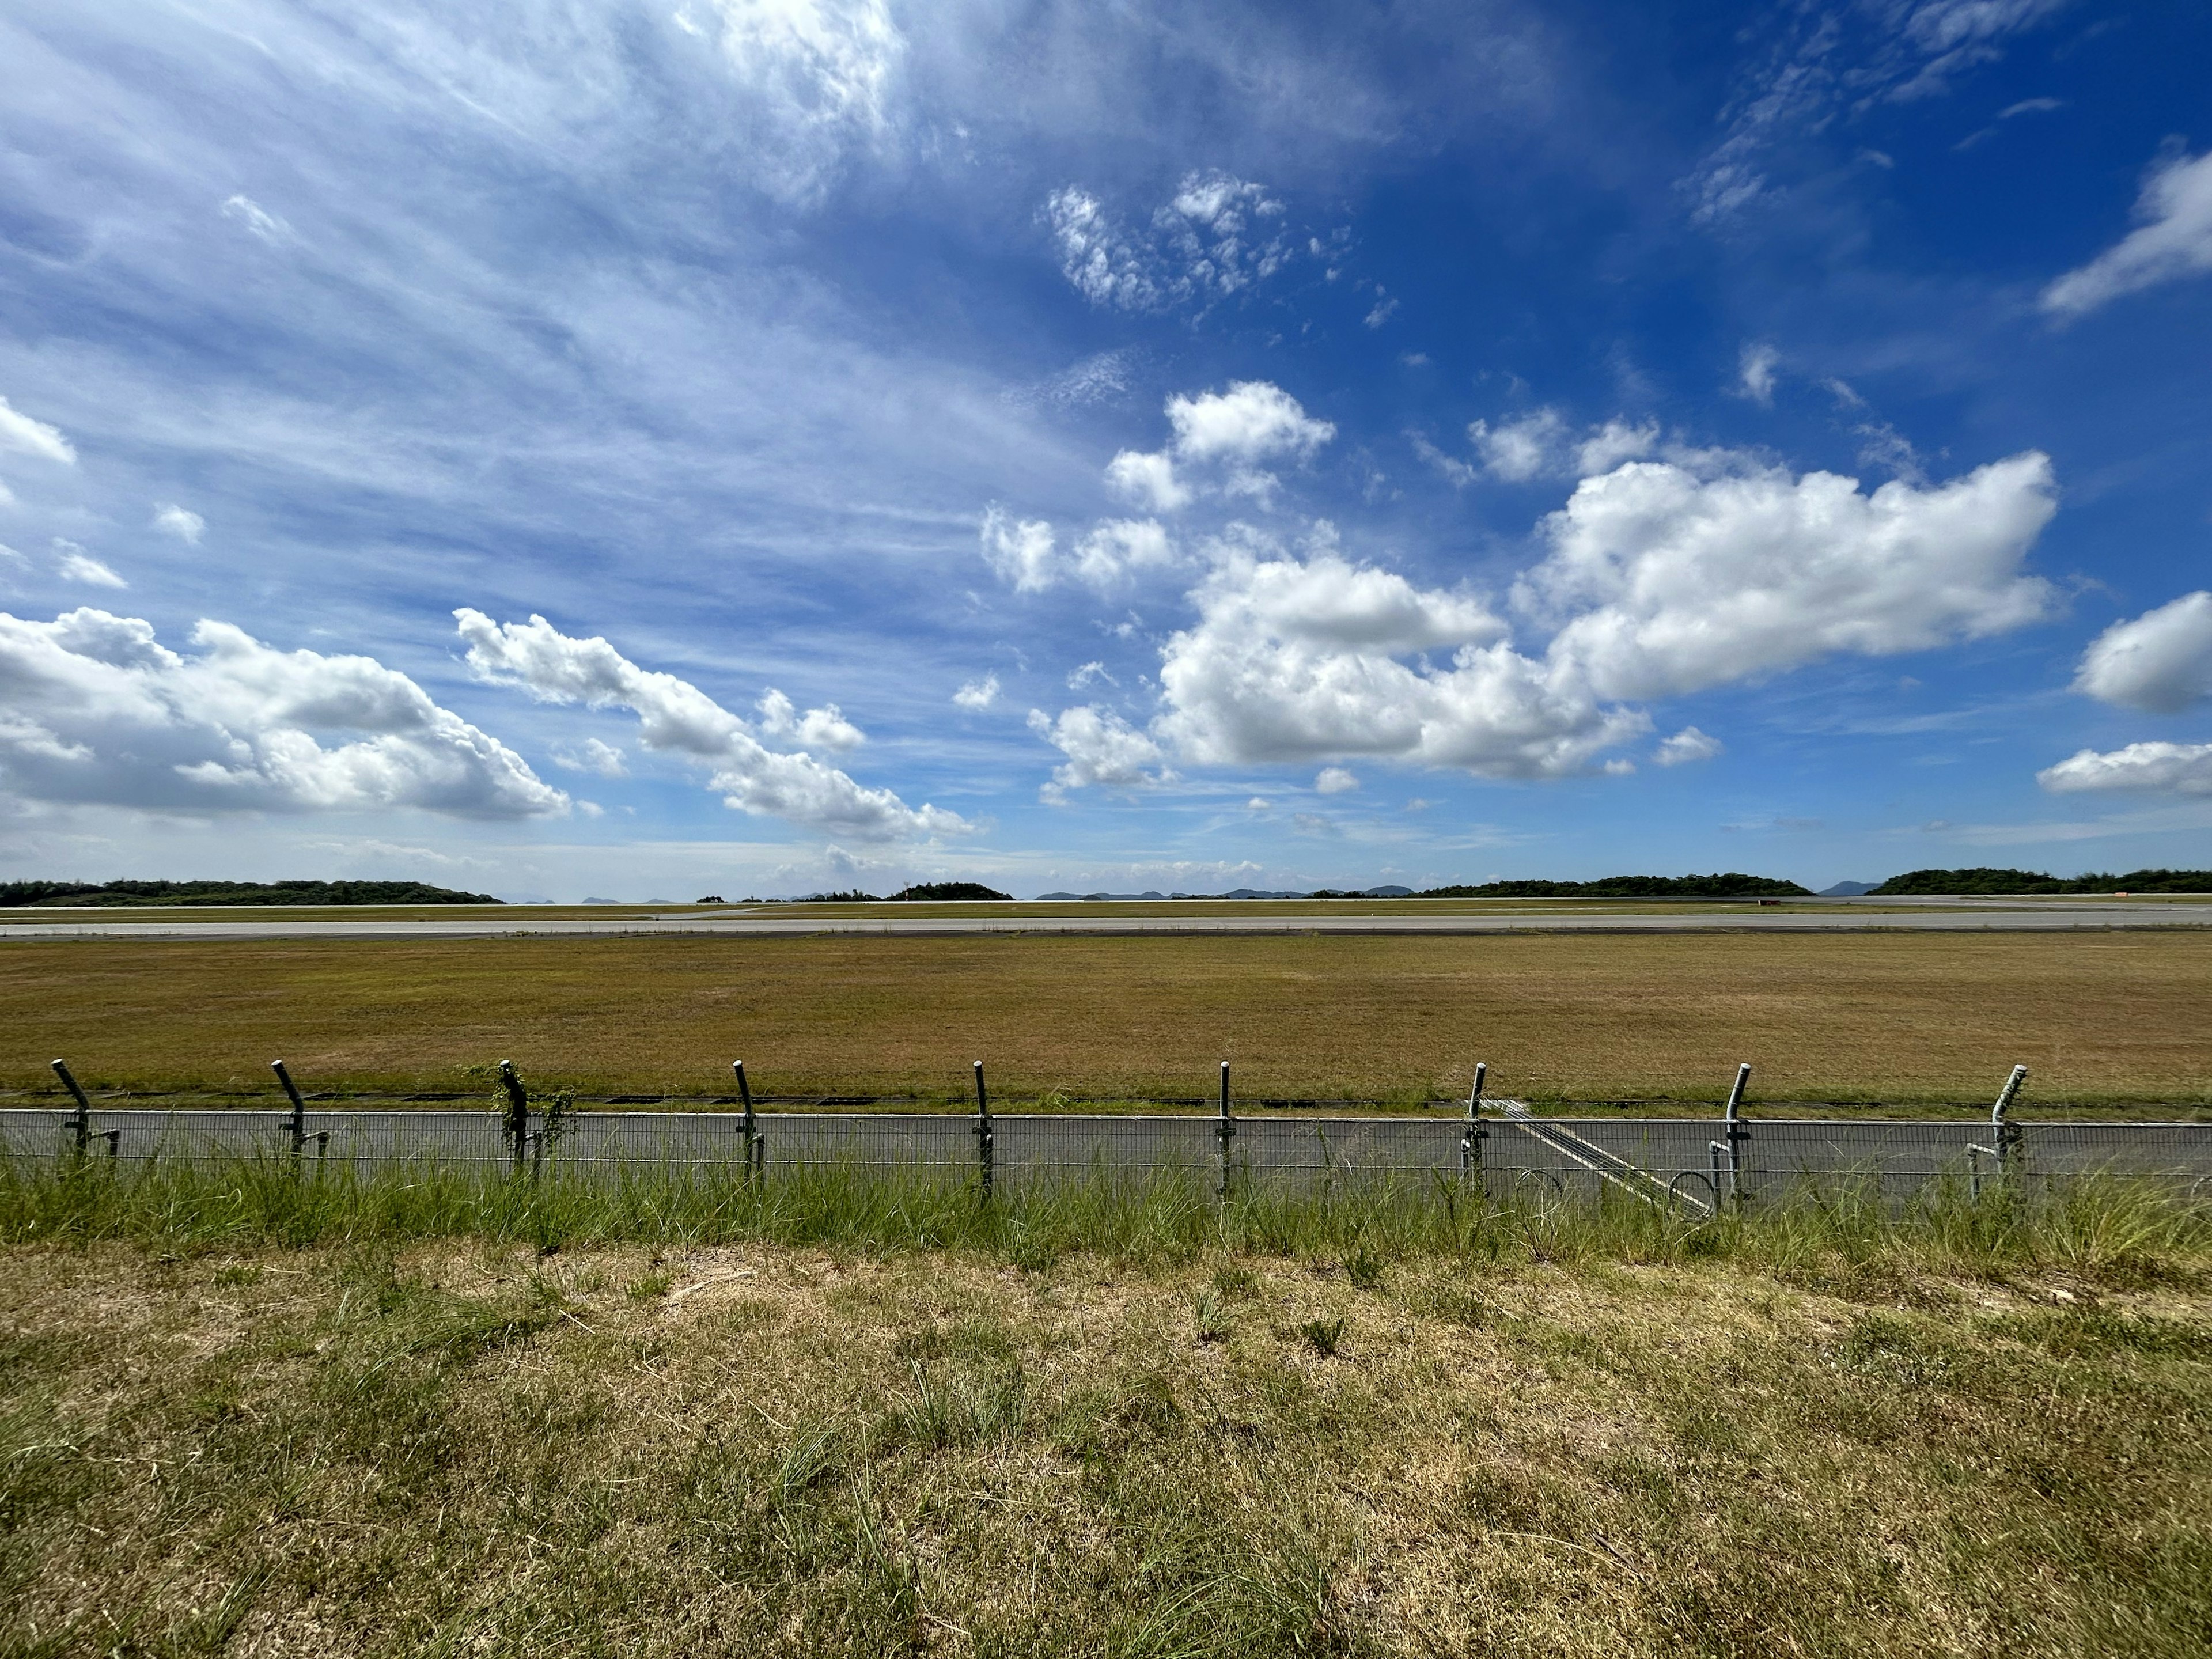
x=427, y=1411
x=2108, y=1021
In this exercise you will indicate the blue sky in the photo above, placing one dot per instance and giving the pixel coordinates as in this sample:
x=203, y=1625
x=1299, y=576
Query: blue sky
x=753, y=446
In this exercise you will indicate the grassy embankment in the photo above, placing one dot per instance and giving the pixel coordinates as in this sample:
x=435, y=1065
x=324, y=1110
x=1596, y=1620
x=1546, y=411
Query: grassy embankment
x=1911, y=1019
x=247, y=1414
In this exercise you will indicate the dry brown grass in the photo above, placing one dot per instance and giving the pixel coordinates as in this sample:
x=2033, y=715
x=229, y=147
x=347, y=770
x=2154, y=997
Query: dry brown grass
x=2117, y=1018
x=468, y=1449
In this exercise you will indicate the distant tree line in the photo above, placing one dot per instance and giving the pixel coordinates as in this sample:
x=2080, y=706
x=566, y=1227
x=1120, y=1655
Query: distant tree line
x=74, y=893
x=923, y=890
x=1732, y=885
x=1983, y=879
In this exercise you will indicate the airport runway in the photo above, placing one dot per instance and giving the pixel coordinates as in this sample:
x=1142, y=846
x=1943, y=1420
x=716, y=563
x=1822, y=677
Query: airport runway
x=1951, y=917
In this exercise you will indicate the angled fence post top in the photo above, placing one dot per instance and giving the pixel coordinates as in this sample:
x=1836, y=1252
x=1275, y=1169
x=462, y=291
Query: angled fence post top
x=297, y=1118
x=2006, y=1095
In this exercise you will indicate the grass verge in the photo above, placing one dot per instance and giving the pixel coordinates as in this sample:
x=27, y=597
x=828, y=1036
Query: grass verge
x=428, y=1415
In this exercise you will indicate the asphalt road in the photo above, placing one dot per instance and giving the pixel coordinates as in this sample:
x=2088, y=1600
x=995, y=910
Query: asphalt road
x=1951, y=917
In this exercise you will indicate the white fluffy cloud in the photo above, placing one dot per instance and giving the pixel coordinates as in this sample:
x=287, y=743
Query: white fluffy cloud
x=97, y=710
x=20, y=432
x=1149, y=480
x=1667, y=581
x=186, y=526
x=1253, y=420
x=1335, y=780
x=1298, y=659
x=2160, y=661
x=1020, y=550
x=977, y=695
x=1236, y=434
x=2174, y=241
x=2173, y=768
x=76, y=565
x=606, y=759
x=1661, y=581
x=1216, y=236
x=819, y=728
x=1685, y=746
x=1102, y=748
x=1112, y=550
x=676, y=717
x=1519, y=450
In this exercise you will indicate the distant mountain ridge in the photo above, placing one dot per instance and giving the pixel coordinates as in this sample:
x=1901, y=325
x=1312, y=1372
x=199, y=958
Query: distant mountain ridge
x=106, y=893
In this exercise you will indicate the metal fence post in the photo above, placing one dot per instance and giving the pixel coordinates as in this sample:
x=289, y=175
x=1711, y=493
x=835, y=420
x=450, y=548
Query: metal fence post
x=296, y=1119
x=1470, y=1141
x=983, y=1158
x=1734, y=1134
x=754, y=1159
x=1227, y=1131
x=2008, y=1136
x=518, y=1112
x=79, y=1122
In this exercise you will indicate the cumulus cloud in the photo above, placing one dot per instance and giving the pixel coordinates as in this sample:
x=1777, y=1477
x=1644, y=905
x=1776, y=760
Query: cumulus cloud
x=1755, y=372
x=675, y=717
x=1661, y=580
x=1020, y=550
x=1335, y=780
x=1149, y=480
x=1237, y=433
x=1216, y=236
x=1112, y=550
x=1101, y=749
x=2171, y=768
x=97, y=710
x=1685, y=746
x=603, y=759
x=25, y=436
x=1607, y=447
x=2173, y=240
x=186, y=526
x=76, y=565
x=819, y=728
x=2160, y=661
x=976, y=695
x=1299, y=659
x=1669, y=580
x=1253, y=420
x=1518, y=450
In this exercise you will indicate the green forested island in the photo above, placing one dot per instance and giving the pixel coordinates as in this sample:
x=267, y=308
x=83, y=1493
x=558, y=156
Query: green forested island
x=76, y=893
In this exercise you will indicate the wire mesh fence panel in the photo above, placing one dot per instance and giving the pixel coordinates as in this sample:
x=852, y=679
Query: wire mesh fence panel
x=642, y=1139
x=1517, y=1158
x=915, y=1140
x=31, y=1137
x=2168, y=1151
x=1035, y=1146
x=1278, y=1150
x=368, y=1141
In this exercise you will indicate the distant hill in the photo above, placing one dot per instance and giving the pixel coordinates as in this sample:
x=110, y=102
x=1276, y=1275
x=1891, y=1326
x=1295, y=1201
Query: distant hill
x=1983, y=879
x=1846, y=890
x=74, y=893
x=1733, y=884
x=950, y=890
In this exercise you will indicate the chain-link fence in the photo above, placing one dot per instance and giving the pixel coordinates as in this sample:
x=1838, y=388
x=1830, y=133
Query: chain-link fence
x=1696, y=1162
